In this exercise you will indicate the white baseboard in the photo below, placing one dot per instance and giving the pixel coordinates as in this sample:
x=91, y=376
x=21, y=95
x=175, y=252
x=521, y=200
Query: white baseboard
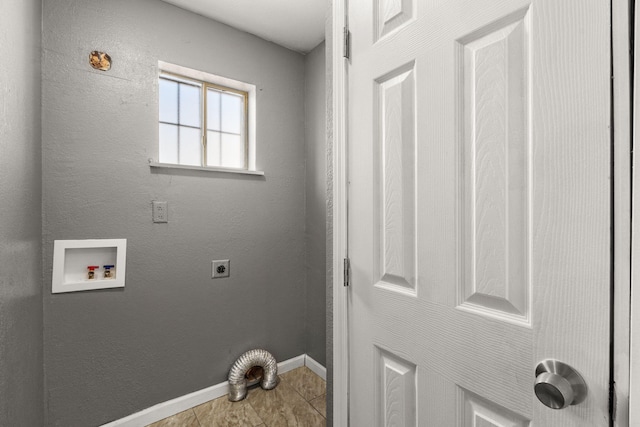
x=317, y=368
x=182, y=403
x=291, y=364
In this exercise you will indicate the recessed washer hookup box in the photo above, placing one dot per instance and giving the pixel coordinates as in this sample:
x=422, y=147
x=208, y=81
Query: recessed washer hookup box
x=83, y=265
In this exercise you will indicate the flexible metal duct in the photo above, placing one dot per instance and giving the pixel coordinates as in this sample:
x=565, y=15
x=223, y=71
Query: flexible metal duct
x=237, y=380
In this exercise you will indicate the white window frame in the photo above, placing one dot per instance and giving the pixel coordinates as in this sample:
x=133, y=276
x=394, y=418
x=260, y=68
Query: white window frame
x=178, y=70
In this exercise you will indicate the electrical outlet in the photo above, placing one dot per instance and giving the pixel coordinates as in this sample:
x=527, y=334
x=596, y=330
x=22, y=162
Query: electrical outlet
x=219, y=268
x=160, y=211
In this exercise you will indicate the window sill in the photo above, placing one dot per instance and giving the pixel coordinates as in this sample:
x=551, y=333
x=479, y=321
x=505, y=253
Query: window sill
x=205, y=168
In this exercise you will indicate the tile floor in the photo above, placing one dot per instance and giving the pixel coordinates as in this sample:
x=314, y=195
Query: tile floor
x=299, y=400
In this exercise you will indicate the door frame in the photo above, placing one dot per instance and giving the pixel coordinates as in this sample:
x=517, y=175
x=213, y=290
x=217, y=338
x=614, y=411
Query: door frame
x=340, y=300
x=634, y=324
x=622, y=280
x=626, y=377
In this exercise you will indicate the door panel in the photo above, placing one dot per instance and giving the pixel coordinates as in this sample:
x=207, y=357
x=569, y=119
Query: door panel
x=396, y=390
x=493, y=110
x=479, y=209
x=396, y=181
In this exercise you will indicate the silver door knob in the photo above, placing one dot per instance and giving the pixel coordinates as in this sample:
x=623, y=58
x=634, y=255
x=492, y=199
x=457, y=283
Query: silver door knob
x=558, y=385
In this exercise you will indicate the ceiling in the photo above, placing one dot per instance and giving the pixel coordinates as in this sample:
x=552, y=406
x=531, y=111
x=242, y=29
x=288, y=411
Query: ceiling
x=294, y=24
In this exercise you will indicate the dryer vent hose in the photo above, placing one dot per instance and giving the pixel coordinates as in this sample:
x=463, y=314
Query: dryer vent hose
x=251, y=359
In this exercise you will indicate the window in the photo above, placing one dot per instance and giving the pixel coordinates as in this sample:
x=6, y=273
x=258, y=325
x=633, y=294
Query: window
x=204, y=120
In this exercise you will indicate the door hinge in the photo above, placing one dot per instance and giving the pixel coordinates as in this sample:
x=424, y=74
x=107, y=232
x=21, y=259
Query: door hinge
x=347, y=272
x=347, y=43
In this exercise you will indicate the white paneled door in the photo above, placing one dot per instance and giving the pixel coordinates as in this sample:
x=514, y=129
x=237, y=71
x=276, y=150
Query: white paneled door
x=479, y=209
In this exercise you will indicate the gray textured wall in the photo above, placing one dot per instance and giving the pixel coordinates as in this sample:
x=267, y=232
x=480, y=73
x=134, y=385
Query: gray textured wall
x=21, y=373
x=172, y=330
x=316, y=194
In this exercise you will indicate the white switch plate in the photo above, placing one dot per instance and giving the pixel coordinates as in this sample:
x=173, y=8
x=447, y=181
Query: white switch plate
x=160, y=211
x=219, y=268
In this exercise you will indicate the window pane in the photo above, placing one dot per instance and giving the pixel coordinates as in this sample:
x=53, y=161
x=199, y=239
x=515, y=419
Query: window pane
x=190, y=147
x=232, y=113
x=213, y=109
x=168, y=101
x=168, y=144
x=232, y=151
x=189, y=105
x=213, y=148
